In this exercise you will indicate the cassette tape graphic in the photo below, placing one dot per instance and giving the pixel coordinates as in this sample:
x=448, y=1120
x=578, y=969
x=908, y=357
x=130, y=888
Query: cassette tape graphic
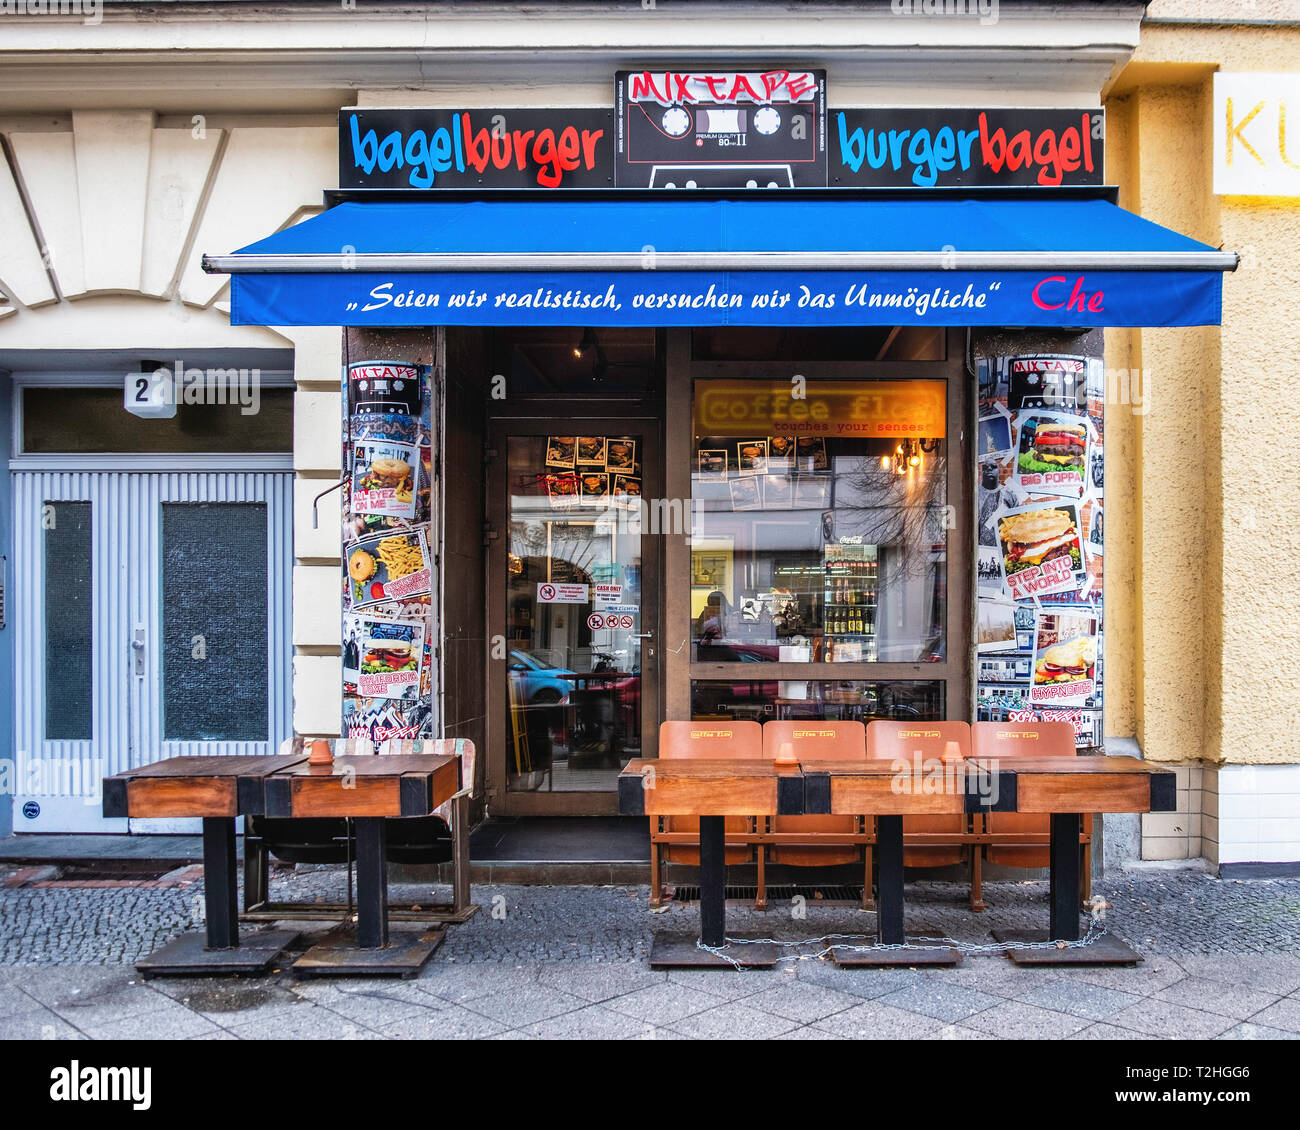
x=721, y=129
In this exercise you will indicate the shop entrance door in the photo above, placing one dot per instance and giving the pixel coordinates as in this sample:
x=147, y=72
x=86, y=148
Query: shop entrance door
x=573, y=610
x=153, y=612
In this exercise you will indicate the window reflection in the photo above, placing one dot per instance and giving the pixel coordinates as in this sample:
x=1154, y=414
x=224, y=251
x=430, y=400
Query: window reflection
x=748, y=695
x=820, y=548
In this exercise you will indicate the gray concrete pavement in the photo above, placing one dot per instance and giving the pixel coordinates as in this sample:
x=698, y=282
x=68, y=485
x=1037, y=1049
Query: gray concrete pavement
x=1222, y=960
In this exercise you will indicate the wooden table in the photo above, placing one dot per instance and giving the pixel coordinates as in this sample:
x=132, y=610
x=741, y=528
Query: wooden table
x=711, y=789
x=367, y=790
x=1062, y=788
x=889, y=791
x=216, y=790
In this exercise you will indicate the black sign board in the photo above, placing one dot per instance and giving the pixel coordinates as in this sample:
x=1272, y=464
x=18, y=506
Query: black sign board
x=720, y=129
x=936, y=148
x=438, y=148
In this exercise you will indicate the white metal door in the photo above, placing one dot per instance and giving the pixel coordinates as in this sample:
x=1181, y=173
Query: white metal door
x=153, y=619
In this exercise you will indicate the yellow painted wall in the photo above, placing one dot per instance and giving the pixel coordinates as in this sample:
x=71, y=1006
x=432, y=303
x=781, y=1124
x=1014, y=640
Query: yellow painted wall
x=1203, y=511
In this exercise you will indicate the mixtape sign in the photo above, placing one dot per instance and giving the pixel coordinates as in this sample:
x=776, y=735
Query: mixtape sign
x=720, y=129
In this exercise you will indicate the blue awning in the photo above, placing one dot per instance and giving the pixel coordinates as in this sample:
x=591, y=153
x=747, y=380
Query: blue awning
x=692, y=262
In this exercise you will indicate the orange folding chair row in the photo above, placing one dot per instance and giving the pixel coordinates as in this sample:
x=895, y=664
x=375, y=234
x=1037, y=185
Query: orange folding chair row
x=1010, y=839
x=800, y=841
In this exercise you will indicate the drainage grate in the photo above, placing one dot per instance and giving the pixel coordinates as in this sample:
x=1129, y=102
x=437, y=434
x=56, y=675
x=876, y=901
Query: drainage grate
x=107, y=873
x=112, y=871
x=829, y=895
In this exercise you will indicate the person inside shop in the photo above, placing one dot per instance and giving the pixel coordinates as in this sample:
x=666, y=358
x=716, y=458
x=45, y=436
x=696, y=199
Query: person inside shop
x=711, y=624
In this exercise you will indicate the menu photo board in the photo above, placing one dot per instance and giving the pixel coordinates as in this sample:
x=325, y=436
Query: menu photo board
x=720, y=129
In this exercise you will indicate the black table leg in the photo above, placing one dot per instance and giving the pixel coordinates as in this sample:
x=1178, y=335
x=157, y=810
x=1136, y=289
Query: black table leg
x=889, y=901
x=218, y=949
x=1064, y=854
x=257, y=869
x=372, y=883
x=219, y=890
x=713, y=881
x=889, y=912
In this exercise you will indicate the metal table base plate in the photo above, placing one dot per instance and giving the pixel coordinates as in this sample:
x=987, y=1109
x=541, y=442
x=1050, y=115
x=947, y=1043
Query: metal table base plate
x=338, y=955
x=884, y=958
x=189, y=954
x=1106, y=950
x=679, y=951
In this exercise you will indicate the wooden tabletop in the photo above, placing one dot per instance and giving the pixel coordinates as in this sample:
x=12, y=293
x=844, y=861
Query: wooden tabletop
x=396, y=785
x=193, y=786
x=718, y=787
x=284, y=785
x=1086, y=784
x=887, y=787
x=710, y=787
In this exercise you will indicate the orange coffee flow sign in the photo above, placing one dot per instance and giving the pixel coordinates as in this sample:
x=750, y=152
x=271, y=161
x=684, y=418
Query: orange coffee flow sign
x=852, y=409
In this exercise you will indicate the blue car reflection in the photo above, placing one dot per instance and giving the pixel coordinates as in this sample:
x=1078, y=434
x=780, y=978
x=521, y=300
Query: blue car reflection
x=537, y=682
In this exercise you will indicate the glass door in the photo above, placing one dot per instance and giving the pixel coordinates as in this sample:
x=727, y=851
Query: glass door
x=575, y=588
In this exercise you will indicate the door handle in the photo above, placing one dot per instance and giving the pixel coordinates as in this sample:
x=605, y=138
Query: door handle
x=137, y=648
x=642, y=636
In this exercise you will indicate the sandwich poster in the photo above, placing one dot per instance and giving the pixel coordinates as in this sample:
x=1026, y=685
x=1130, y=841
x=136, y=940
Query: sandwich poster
x=388, y=654
x=1065, y=659
x=1041, y=550
x=1052, y=456
x=383, y=478
x=388, y=567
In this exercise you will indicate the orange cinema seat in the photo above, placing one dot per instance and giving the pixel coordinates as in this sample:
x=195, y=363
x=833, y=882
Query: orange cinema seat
x=731, y=740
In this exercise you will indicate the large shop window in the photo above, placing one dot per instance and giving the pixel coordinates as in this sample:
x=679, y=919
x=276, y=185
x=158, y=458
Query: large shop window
x=821, y=520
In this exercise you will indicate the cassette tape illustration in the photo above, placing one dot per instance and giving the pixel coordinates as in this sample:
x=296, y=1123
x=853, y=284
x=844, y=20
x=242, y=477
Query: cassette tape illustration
x=721, y=130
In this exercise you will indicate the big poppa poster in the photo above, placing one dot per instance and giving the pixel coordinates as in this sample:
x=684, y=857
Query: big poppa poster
x=1040, y=540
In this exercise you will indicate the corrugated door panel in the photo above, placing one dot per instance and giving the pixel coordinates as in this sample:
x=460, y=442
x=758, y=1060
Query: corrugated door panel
x=126, y=592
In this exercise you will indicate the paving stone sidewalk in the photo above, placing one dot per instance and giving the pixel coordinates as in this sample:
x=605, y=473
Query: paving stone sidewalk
x=1222, y=960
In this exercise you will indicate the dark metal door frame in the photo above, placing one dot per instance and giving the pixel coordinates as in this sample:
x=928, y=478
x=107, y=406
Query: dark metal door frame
x=640, y=417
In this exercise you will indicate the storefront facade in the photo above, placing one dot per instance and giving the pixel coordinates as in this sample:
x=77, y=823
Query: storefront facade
x=762, y=576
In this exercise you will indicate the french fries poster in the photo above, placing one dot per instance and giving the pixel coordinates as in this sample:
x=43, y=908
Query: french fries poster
x=393, y=566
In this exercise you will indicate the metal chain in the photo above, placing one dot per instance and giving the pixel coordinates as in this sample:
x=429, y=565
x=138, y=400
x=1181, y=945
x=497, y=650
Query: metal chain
x=1096, y=929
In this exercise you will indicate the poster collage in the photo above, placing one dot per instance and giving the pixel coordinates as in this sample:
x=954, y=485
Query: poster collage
x=592, y=471
x=765, y=473
x=1040, y=541
x=387, y=575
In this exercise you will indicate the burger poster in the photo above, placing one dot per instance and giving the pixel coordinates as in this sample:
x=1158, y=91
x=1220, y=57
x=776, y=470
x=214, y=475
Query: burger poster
x=390, y=655
x=1052, y=456
x=1041, y=549
x=388, y=567
x=1065, y=660
x=383, y=478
